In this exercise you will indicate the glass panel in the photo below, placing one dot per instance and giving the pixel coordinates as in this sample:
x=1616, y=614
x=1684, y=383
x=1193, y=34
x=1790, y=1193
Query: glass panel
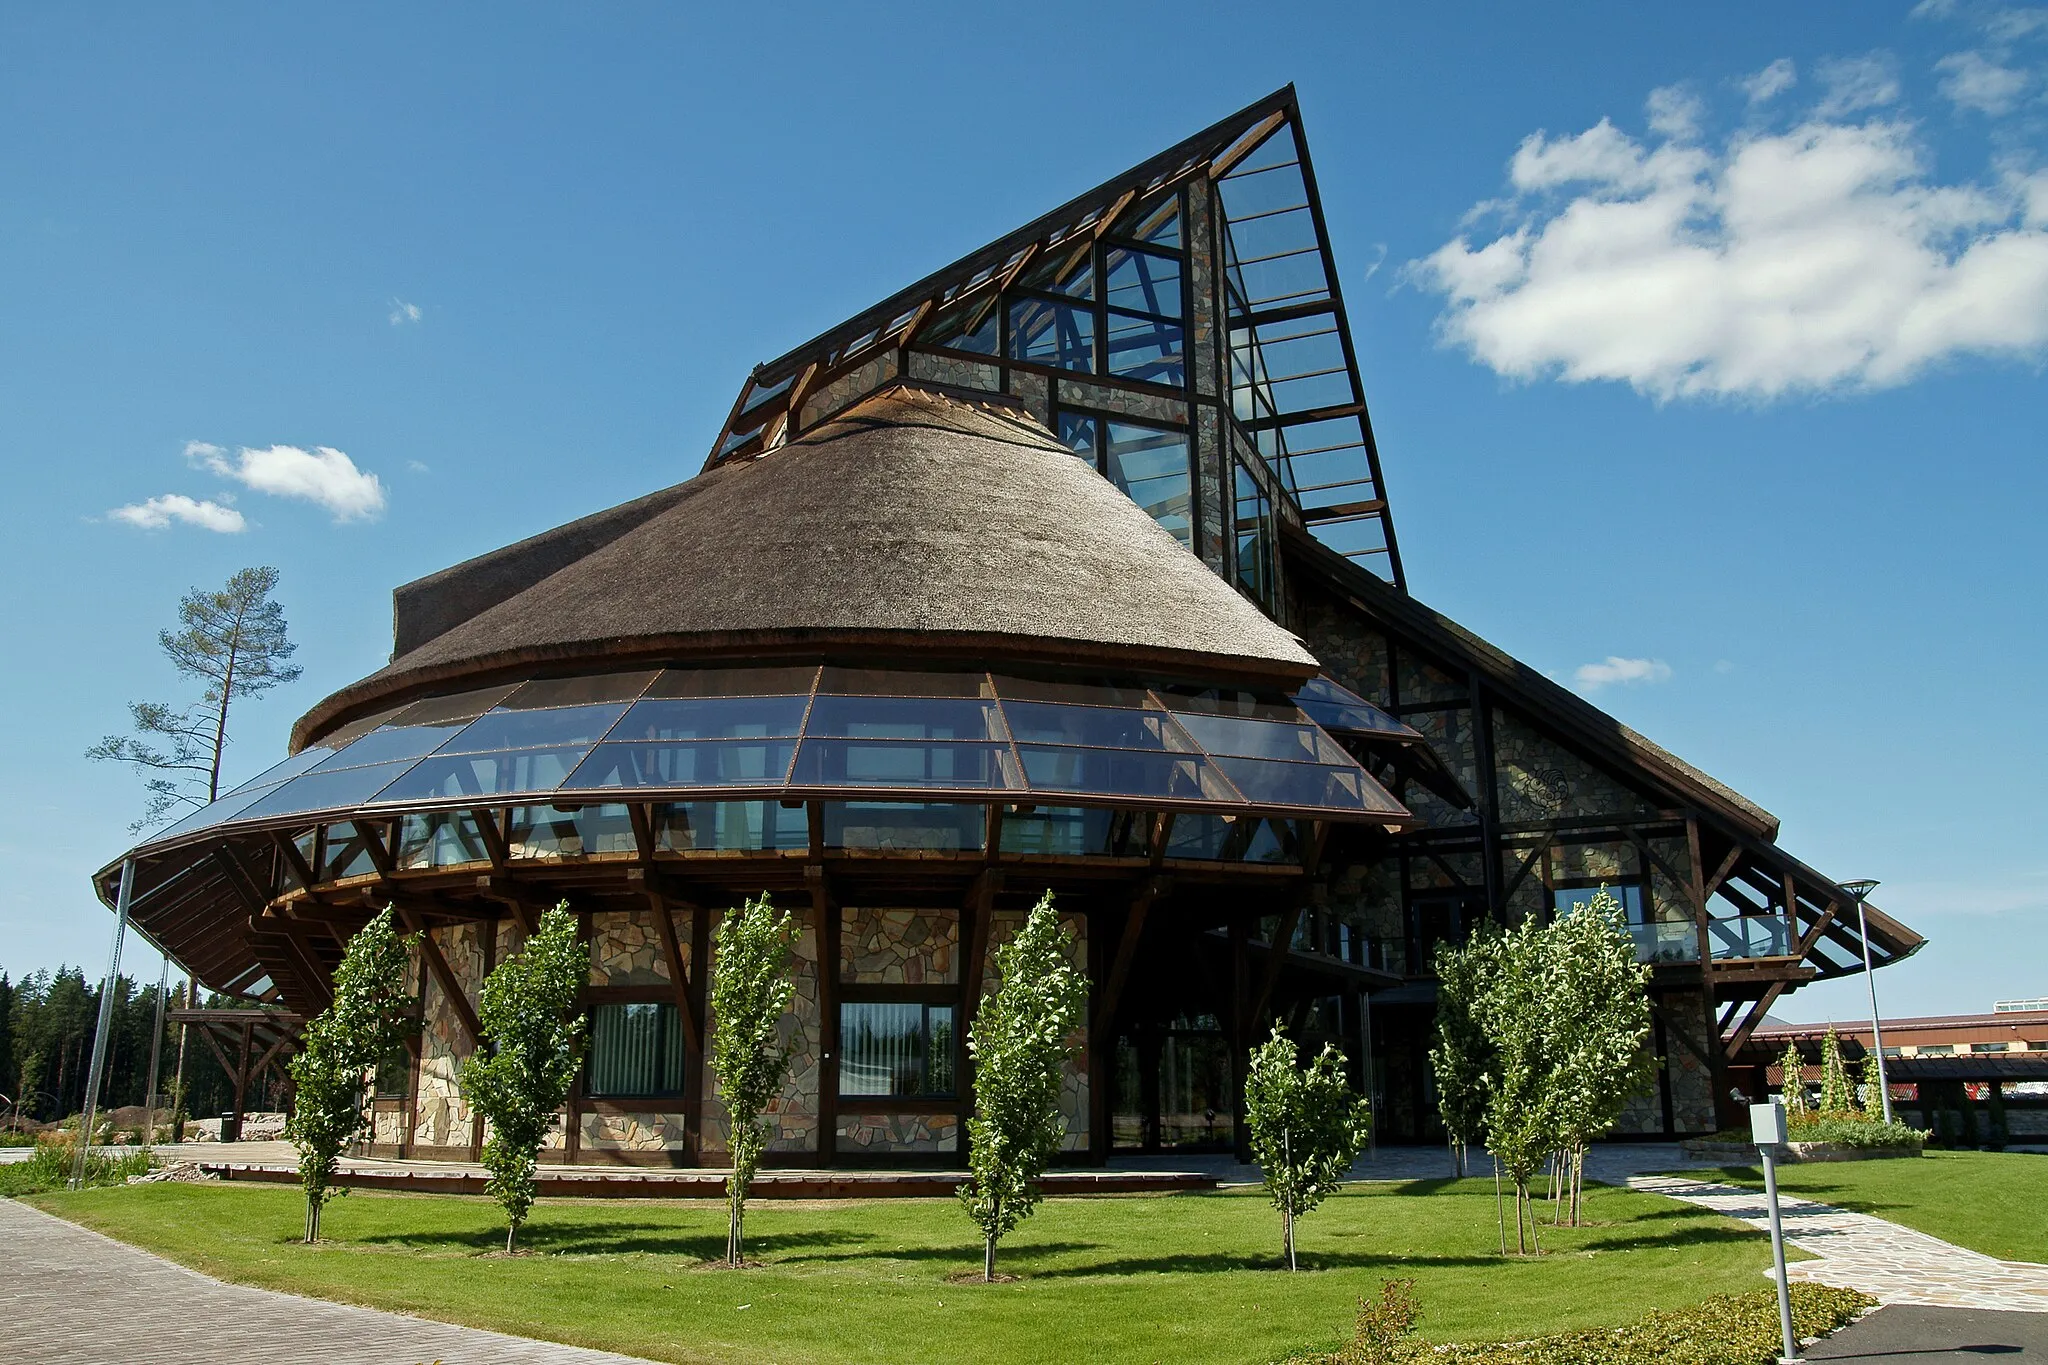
x=441, y=838
x=575, y=832
x=1085, y=694
x=578, y=691
x=347, y=853
x=1231, y=839
x=1077, y=433
x=749, y=826
x=1052, y=334
x=713, y=718
x=928, y=826
x=1195, y=1096
x=468, y=776
x=897, y=1049
x=1151, y=466
x=733, y=682
x=299, y=762
x=1146, y=349
x=708, y=763
x=1093, y=726
x=1253, y=513
x=1073, y=831
x=903, y=718
x=525, y=729
x=1122, y=772
x=765, y=392
x=1660, y=935
x=1155, y=222
x=325, y=791
x=1307, y=784
x=969, y=325
x=1344, y=711
x=379, y=746
x=636, y=1050
x=892, y=682
x=885, y=763
x=1061, y=271
x=217, y=812
x=1299, y=742
x=1753, y=936
x=1143, y=282
x=460, y=706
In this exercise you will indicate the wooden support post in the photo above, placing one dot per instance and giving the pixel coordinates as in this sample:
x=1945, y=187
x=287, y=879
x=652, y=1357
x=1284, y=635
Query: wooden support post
x=1276, y=958
x=1725, y=1115
x=825, y=915
x=1240, y=1008
x=444, y=977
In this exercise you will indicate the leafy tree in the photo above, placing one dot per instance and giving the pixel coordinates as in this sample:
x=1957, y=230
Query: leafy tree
x=1306, y=1126
x=1835, y=1098
x=1522, y=1108
x=371, y=1015
x=1463, y=1053
x=1020, y=1042
x=1871, y=1090
x=1598, y=1019
x=751, y=991
x=533, y=1041
x=1793, y=1085
x=234, y=640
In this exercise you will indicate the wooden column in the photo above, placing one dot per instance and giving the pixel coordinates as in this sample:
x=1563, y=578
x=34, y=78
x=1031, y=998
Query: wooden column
x=1725, y=1114
x=825, y=913
x=1240, y=1008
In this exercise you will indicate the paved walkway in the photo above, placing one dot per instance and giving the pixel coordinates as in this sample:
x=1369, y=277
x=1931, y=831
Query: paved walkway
x=74, y=1297
x=1937, y=1336
x=1857, y=1251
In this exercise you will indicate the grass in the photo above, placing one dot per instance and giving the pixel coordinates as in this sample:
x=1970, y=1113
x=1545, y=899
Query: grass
x=1185, y=1278
x=1992, y=1202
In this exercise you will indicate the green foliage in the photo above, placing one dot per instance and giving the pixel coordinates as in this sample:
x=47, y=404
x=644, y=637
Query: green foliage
x=1306, y=1127
x=1597, y=1025
x=1019, y=1042
x=1381, y=1335
x=50, y=1165
x=234, y=640
x=1870, y=1089
x=1854, y=1130
x=1835, y=1098
x=1463, y=1054
x=1728, y=1329
x=751, y=990
x=533, y=1042
x=1792, y=1085
x=1522, y=1109
x=371, y=1015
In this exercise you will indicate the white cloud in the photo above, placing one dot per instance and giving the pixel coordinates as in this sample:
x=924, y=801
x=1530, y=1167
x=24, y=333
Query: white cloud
x=1724, y=666
x=1854, y=83
x=321, y=475
x=403, y=313
x=1675, y=111
x=1772, y=81
x=1615, y=669
x=1811, y=259
x=1972, y=80
x=416, y=467
x=161, y=511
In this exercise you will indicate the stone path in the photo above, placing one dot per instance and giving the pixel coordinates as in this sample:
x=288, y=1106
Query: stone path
x=1857, y=1251
x=74, y=1297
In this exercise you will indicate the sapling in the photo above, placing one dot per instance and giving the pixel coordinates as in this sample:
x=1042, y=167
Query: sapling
x=1306, y=1126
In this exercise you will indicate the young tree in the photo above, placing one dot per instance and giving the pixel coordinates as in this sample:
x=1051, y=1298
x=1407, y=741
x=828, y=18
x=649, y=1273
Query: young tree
x=1793, y=1084
x=1019, y=1041
x=233, y=640
x=751, y=990
x=1462, y=1053
x=1306, y=1127
x=1871, y=1090
x=533, y=1040
x=1834, y=1078
x=371, y=1015
x=1597, y=1001
x=1522, y=1126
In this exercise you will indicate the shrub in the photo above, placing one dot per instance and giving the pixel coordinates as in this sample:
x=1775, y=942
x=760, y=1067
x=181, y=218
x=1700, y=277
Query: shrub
x=1728, y=1329
x=49, y=1168
x=1380, y=1336
x=1855, y=1132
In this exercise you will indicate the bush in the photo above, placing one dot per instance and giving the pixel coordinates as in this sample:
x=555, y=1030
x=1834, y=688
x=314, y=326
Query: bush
x=1728, y=1329
x=1384, y=1325
x=1855, y=1132
x=17, y=1139
x=49, y=1168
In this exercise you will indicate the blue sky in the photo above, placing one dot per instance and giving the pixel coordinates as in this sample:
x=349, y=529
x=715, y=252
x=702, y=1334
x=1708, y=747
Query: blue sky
x=1737, y=395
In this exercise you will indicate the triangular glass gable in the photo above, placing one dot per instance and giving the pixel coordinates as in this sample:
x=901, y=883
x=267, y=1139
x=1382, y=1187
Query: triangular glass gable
x=1190, y=306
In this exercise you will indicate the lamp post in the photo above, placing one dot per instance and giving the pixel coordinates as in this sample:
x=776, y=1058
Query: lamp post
x=1861, y=891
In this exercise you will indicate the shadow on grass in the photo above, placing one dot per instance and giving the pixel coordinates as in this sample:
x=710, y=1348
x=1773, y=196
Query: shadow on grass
x=1218, y=1262
x=1685, y=1237
x=609, y=1238
x=1025, y=1255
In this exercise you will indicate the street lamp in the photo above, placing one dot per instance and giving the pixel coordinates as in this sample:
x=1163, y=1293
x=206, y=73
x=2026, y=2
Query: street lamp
x=1861, y=891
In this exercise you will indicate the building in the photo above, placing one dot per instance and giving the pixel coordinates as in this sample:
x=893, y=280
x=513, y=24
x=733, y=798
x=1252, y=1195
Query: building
x=1068, y=567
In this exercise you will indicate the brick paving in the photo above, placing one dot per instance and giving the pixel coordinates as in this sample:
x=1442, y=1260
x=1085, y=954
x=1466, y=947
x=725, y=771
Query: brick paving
x=1857, y=1251
x=74, y=1297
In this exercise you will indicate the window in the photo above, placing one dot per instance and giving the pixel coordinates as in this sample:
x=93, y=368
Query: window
x=636, y=1051
x=1253, y=518
x=1658, y=939
x=904, y=1050
x=1049, y=333
x=394, y=1074
x=1151, y=466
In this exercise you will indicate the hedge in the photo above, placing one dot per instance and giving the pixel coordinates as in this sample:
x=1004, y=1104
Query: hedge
x=1729, y=1329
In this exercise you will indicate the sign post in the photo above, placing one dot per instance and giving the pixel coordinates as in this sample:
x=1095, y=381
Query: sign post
x=1767, y=1129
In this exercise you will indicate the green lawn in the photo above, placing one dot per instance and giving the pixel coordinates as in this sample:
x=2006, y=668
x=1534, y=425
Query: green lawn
x=1993, y=1202
x=1186, y=1278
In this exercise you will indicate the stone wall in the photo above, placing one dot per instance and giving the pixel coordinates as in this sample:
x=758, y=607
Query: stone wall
x=898, y=947
x=1540, y=779
x=626, y=947
x=793, y=1114
x=1004, y=926
x=841, y=392
x=870, y=1134
x=961, y=374
x=442, y=1117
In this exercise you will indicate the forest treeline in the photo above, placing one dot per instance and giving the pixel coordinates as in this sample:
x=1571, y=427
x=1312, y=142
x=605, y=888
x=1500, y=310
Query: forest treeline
x=46, y=1027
